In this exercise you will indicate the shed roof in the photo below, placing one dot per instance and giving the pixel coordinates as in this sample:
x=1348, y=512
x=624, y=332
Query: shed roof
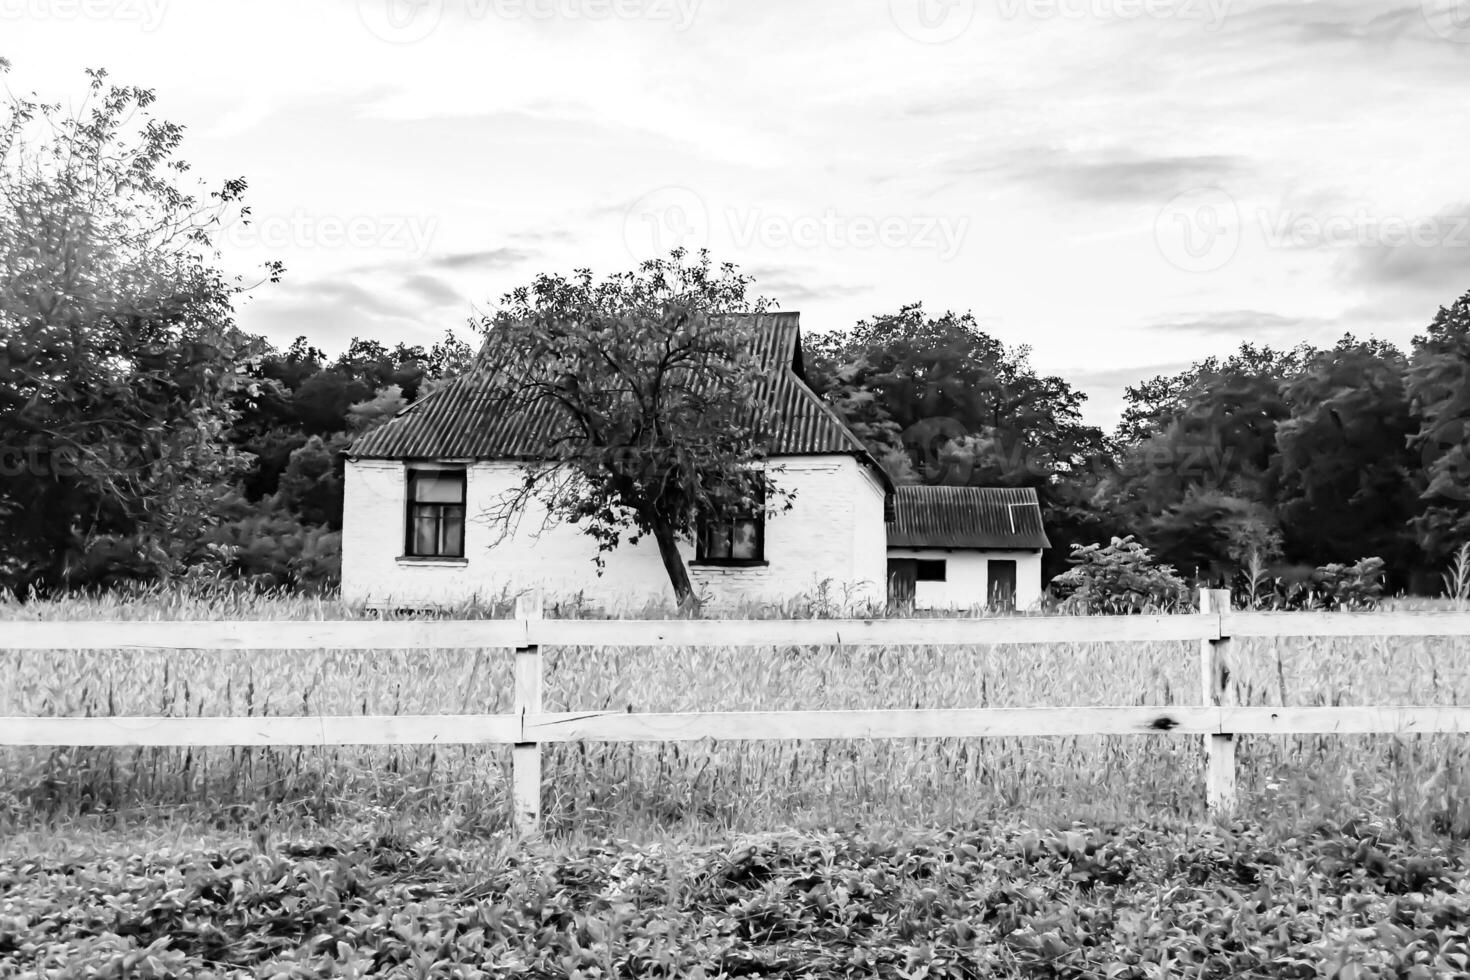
x=460, y=420
x=966, y=517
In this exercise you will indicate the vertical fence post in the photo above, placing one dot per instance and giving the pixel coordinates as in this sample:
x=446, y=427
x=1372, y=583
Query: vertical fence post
x=1214, y=665
x=525, y=757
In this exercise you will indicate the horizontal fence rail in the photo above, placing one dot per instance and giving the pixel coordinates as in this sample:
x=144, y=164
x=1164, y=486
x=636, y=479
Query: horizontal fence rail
x=1217, y=721
x=511, y=634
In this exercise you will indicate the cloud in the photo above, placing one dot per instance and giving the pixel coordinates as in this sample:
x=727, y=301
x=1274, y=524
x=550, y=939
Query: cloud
x=1430, y=252
x=379, y=302
x=495, y=258
x=1106, y=388
x=341, y=293
x=788, y=286
x=1334, y=21
x=1105, y=176
x=1124, y=377
x=435, y=290
x=1241, y=324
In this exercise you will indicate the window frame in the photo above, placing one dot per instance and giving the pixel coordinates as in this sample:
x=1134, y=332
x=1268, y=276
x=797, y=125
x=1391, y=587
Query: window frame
x=411, y=513
x=726, y=529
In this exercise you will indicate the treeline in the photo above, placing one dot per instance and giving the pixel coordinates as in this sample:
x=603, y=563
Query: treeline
x=1265, y=464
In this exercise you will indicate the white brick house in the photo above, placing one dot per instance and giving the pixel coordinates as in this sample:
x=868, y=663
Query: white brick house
x=966, y=547
x=418, y=489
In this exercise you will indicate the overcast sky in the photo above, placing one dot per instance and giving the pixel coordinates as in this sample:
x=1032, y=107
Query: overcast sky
x=1124, y=185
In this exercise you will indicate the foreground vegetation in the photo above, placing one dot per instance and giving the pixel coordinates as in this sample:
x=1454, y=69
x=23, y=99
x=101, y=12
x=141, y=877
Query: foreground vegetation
x=1338, y=901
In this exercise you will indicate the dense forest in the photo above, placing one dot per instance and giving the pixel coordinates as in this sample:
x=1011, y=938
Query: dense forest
x=144, y=436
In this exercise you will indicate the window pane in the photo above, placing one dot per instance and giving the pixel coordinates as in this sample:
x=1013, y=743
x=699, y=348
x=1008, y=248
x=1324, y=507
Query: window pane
x=930, y=570
x=438, y=487
x=453, y=532
x=425, y=531
x=747, y=541
x=717, y=541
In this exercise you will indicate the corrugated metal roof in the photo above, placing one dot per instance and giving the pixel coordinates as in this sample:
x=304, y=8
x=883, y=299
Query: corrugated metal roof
x=460, y=422
x=966, y=517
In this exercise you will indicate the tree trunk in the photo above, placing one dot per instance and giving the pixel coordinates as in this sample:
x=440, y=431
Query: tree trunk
x=668, y=550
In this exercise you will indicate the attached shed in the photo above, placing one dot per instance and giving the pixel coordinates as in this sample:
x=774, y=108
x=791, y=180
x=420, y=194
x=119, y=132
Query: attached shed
x=960, y=547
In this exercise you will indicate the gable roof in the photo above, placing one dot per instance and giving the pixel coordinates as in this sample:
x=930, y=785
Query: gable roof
x=966, y=517
x=459, y=421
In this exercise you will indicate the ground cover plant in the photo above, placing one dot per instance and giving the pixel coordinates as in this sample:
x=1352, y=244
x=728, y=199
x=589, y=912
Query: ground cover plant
x=1348, y=901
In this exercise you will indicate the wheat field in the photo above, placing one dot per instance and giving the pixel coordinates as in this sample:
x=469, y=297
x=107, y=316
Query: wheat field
x=712, y=788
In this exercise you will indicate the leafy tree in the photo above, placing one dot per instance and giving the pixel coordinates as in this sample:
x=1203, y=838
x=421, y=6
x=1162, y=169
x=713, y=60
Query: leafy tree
x=943, y=378
x=1345, y=472
x=943, y=402
x=376, y=410
x=1154, y=405
x=653, y=392
x=118, y=356
x=1214, y=535
x=311, y=485
x=1195, y=476
x=448, y=358
x=1439, y=390
x=320, y=405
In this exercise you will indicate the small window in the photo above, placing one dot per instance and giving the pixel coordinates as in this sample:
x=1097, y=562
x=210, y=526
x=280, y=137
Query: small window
x=929, y=570
x=436, y=513
x=739, y=540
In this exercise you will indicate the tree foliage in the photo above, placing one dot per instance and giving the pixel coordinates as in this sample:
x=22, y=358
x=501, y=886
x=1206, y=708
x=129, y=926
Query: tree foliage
x=118, y=354
x=1439, y=389
x=940, y=401
x=653, y=397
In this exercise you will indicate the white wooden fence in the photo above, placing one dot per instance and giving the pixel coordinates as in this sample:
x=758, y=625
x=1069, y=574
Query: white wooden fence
x=1217, y=719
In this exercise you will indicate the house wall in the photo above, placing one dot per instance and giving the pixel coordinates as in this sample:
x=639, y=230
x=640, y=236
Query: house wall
x=967, y=577
x=833, y=532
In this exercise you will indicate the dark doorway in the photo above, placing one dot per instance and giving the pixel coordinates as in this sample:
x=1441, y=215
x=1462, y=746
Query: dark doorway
x=1001, y=576
x=902, y=573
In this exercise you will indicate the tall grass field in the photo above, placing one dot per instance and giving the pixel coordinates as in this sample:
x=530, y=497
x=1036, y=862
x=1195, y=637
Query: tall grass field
x=710, y=789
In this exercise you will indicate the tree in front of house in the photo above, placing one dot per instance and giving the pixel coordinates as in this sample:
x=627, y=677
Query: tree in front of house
x=652, y=395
